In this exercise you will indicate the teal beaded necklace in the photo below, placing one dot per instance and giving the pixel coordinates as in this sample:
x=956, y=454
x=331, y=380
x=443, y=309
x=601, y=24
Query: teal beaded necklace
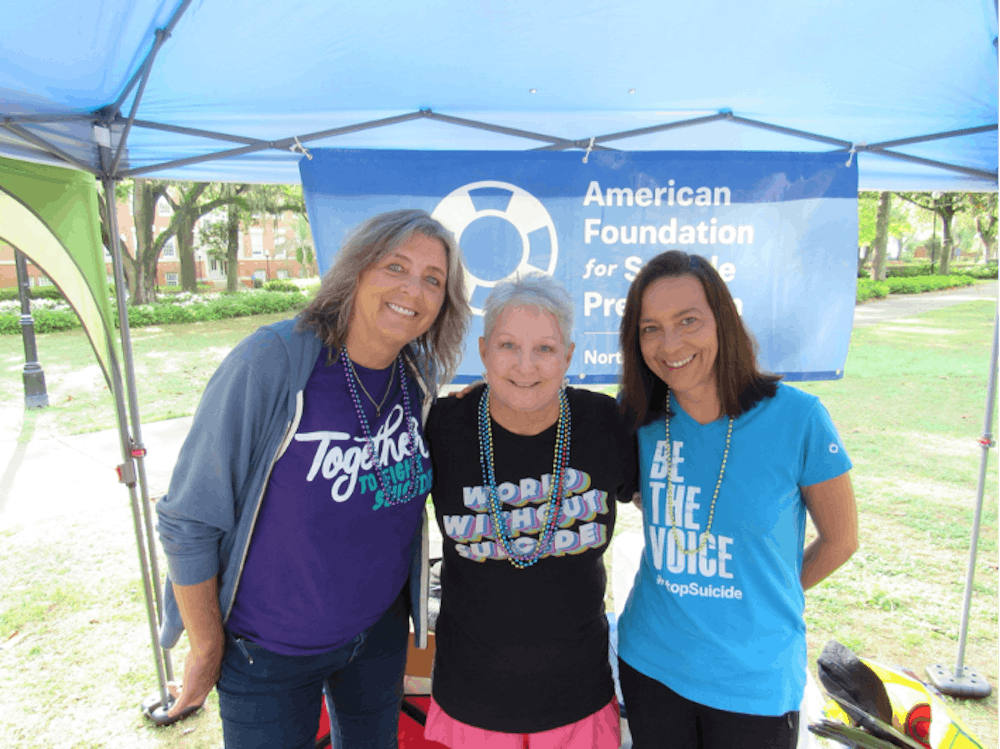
x=560, y=461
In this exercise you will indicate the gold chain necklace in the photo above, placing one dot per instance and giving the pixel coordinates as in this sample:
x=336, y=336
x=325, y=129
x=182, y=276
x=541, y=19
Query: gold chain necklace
x=378, y=406
x=678, y=534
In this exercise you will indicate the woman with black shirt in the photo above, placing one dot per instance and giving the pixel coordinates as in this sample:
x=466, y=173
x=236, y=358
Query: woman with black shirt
x=526, y=476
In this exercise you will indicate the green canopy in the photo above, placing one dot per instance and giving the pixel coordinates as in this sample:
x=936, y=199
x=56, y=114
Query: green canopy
x=51, y=215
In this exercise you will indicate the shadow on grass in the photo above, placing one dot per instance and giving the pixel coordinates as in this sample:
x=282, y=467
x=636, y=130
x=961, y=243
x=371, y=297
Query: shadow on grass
x=14, y=464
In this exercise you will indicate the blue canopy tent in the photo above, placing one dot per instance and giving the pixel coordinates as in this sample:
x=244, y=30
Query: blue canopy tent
x=912, y=87
x=225, y=91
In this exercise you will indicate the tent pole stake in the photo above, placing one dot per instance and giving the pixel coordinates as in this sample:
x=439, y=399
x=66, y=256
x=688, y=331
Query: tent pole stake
x=140, y=517
x=965, y=682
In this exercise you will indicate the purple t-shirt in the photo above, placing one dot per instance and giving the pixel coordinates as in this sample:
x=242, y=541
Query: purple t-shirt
x=328, y=556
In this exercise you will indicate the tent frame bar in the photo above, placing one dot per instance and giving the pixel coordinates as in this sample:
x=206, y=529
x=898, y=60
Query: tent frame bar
x=584, y=143
x=45, y=145
x=930, y=162
x=788, y=131
x=934, y=136
x=252, y=145
x=502, y=129
x=282, y=144
x=195, y=132
x=162, y=34
x=555, y=143
x=51, y=117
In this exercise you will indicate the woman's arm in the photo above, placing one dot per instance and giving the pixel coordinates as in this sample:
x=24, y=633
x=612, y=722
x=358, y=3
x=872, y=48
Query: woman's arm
x=199, y=607
x=834, y=513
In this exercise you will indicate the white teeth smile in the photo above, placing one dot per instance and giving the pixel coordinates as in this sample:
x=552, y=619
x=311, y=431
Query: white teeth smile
x=401, y=310
x=518, y=384
x=681, y=363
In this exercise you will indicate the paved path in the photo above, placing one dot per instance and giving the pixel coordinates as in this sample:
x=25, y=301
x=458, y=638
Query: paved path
x=902, y=306
x=42, y=479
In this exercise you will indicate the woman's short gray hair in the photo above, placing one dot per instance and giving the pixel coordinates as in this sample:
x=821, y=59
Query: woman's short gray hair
x=535, y=290
x=437, y=352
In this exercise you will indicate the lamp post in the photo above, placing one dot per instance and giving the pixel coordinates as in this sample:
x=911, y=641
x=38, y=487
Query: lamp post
x=35, y=395
x=267, y=261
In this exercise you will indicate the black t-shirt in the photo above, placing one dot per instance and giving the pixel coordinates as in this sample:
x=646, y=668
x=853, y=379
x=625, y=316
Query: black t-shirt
x=525, y=650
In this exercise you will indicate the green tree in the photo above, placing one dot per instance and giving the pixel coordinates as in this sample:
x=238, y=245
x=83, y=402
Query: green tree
x=867, y=210
x=246, y=206
x=195, y=200
x=305, y=254
x=945, y=205
x=984, y=209
x=897, y=225
x=140, y=261
x=881, y=235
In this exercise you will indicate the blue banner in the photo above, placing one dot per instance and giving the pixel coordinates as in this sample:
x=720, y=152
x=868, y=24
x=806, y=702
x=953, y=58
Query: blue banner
x=780, y=227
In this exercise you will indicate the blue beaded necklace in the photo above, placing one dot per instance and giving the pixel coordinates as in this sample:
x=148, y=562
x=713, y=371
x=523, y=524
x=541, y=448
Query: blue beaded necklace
x=413, y=467
x=560, y=460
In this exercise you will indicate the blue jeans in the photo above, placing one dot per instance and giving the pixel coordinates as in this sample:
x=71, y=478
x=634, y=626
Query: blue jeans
x=272, y=700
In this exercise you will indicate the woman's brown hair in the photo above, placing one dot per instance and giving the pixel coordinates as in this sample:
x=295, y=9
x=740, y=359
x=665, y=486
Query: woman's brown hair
x=741, y=384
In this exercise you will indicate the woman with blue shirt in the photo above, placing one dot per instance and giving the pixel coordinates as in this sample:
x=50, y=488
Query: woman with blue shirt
x=294, y=526
x=712, y=641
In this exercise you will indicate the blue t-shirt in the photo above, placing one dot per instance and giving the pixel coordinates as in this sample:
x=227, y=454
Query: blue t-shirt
x=724, y=627
x=328, y=556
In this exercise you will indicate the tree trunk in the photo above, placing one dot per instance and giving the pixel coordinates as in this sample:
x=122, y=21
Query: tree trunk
x=185, y=250
x=186, y=214
x=881, y=236
x=143, y=208
x=233, y=249
x=863, y=257
x=946, y=242
x=987, y=235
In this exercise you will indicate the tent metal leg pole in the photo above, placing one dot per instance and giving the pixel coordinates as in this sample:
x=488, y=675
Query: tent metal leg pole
x=964, y=682
x=138, y=448
x=127, y=469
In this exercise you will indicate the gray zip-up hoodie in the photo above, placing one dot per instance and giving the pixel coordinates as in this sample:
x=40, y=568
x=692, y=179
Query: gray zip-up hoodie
x=245, y=420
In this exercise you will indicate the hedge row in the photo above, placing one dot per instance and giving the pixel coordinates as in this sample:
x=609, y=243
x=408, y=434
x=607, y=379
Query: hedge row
x=920, y=284
x=166, y=294
x=908, y=271
x=241, y=304
x=9, y=293
x=983, y=272
x=280, y=285
x=868, y=289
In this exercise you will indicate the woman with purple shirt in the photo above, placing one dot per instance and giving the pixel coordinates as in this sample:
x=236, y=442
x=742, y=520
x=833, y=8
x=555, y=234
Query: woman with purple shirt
x=294, y=522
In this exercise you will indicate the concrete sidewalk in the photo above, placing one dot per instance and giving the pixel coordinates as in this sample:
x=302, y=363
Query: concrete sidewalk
x=898, y=307
x=44, y=479
x=47, y=478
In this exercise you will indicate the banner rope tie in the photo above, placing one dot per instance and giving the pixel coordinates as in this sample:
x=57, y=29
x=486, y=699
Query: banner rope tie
x=299, y=148
x=589, y=149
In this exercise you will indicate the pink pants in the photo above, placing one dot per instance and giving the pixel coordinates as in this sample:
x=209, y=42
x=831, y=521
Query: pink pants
x=601, y=730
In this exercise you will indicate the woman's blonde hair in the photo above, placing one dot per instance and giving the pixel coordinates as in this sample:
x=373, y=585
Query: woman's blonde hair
x=438, y=352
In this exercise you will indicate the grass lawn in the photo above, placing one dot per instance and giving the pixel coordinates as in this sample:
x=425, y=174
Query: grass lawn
x=74, y=648
x=910, y=410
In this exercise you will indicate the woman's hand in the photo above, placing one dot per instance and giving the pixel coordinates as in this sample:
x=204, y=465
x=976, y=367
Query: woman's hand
x=199, y=607
x=835, y=515
x=467, y=389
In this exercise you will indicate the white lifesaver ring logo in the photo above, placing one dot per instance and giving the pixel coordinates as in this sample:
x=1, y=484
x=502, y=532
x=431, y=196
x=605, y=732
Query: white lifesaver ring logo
x=523, y=211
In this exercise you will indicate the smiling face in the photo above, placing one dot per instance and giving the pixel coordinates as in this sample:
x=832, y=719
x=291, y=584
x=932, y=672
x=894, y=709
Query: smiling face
x=526, y=360
x=397, y=300
x=678, y=339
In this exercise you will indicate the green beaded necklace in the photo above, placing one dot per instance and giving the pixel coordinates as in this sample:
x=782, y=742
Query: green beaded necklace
x=678, y=535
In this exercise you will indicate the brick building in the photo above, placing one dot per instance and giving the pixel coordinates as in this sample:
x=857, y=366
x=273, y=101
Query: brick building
x=266, y=252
